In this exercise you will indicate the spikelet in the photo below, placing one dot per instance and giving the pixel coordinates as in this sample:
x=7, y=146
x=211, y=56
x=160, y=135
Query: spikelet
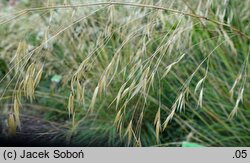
x=30, y=88
x=152, y=78
x=80, y=71
x=102, y=84
x=230, y=42
x=180, y=102
x=118, y=97
x=38, y=76
x=234, y=85
x=200, y=98
x=16, y=112
x=31, y=70
x=170, y=116
x=91, y=108
x=11, y=125
x=125, y=92
x=120, y=127
x=80, y=89
x=73, y=120
x=198, y=85
x=20, y=53
x=157, y=123
x=239, y=99
x=83, y=94
x=169, y=67
x=71, y=104
x=129, y=132
x=118, y=118
x=28, y=83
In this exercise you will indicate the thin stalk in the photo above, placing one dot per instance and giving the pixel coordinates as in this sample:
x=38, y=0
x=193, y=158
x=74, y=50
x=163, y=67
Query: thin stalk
x=133, y=5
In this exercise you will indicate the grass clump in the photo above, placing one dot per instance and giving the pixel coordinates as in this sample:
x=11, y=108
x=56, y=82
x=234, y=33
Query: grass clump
x=140, y=73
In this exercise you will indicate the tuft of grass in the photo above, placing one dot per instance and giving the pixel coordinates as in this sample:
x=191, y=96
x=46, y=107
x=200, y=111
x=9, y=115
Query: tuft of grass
x=139, y=73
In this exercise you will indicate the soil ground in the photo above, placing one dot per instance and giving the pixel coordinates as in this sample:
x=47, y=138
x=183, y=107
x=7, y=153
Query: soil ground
x=35, y=131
